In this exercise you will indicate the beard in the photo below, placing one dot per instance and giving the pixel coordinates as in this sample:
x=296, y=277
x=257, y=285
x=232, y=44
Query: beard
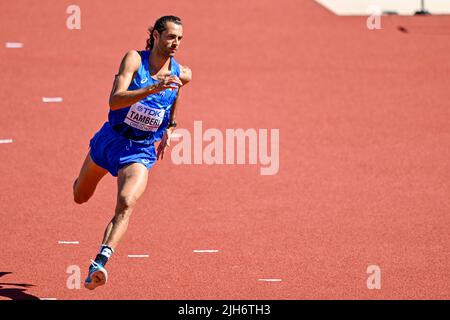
x=165, y=51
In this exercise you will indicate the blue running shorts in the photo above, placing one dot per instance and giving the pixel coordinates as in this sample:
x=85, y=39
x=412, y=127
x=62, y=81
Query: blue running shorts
x=112, y=151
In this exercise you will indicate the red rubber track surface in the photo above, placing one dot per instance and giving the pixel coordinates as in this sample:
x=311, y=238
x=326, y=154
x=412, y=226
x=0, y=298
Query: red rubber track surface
x=364, y=123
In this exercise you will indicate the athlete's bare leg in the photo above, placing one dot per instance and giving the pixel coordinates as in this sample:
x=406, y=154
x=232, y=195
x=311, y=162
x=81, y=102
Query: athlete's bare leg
x=131, y=184
x=90, y=175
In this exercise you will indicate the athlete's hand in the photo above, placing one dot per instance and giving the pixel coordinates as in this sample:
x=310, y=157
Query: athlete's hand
x=166, y=82
x=164, y=144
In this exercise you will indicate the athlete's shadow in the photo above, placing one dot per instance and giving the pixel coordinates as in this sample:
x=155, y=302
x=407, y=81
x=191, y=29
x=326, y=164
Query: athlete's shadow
x=15, y=293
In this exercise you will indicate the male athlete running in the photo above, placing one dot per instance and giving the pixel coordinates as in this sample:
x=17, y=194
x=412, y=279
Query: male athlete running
x=142, y=111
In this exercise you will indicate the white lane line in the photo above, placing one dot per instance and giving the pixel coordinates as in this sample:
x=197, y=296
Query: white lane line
x=175, y=135
x=52, y=99
x=138, y=256
x=69, y=242
x=205, y=251
x=270, y=280
x=6, y=140
x=13, y=45
x=48, y=299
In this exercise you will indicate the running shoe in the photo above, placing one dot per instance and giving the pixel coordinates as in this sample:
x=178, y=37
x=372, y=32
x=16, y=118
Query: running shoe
x=97, y=276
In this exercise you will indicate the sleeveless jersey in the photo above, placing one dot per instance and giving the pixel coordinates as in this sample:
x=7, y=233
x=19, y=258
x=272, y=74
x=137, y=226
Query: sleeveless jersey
x=146, y=120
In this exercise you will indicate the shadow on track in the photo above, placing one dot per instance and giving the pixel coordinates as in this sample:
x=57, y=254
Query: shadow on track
x=15, y=293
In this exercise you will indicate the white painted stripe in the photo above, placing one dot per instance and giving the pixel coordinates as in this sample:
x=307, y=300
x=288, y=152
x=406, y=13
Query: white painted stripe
x=52, y=99
x=69, y=242
x=48, y=299
x=138, y=256
x=270, y=280
x=6, y=140
x=14, y=45
x=175, y=135
x=205, y=251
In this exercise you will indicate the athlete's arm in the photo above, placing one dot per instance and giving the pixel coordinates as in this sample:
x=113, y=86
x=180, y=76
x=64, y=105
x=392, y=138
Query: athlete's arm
x=185, y=77
x=120, y=97
x=185, y=74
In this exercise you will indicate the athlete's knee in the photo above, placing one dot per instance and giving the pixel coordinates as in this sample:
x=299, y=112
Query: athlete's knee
x=80, y=197
x=126, y=203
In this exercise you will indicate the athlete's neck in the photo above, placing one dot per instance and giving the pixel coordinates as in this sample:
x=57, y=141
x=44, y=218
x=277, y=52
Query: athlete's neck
x=158, y=63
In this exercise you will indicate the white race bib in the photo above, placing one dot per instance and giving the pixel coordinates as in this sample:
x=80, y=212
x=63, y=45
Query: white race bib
x=144, y=118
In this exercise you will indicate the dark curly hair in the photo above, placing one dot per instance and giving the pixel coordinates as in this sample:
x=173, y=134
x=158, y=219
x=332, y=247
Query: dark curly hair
x=160, y=26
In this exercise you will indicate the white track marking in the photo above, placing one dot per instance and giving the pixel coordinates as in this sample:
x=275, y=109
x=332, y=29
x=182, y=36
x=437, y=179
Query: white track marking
x=270, y=280
x=48, y=299
x=138, y=256
x=52, y=99
x=176, y=135
x=13, y=45
x=6, y=140
x=69, y=242
x=206, y=251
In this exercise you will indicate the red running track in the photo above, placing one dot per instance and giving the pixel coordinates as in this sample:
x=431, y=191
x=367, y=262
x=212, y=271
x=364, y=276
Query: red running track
x=364, y=123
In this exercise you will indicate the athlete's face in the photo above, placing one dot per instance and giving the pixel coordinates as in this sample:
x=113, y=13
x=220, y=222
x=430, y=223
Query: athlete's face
x=169, y=40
